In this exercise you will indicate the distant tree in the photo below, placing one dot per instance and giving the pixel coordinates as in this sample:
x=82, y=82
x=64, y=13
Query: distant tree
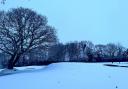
x=111, y=49
x=120, y=50
x=23, y=30
x=82, y=47
x=56, y=53
x=114, y=51
x=89, y=50
x=125, y=53
x=73, y=51
x=99, y=51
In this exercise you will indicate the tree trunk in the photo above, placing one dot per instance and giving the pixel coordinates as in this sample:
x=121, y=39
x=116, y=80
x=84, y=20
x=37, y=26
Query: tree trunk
x=13, y=61
x=10, y=62
x=16, y=59
x=90, y=57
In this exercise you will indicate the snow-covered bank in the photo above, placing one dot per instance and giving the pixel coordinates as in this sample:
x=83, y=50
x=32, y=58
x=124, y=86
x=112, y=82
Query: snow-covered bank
x=20, y=70
x=69, y=76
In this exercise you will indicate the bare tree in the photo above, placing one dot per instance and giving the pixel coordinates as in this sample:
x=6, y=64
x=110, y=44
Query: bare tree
x=83, y=46
x=100, y=51
x=111, y=49
x=120, y=50
x=22, y=30
x=73, y=51
x=56, y=53
x=89, y=50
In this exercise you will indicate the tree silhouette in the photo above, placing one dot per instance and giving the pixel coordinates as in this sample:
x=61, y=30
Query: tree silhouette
x=22, y=30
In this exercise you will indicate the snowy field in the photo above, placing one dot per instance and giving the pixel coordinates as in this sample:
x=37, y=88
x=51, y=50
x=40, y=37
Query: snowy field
x=68, y=76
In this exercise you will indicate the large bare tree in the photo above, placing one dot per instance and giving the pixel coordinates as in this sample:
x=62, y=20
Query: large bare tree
x=22, y=30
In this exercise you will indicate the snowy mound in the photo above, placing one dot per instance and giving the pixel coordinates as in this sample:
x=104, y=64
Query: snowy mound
x=69, y=76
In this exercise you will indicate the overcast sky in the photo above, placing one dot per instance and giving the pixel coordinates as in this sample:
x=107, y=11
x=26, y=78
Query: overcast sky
x=100, y=21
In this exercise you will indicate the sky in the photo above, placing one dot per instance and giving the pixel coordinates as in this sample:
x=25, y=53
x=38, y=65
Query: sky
x=99, y=21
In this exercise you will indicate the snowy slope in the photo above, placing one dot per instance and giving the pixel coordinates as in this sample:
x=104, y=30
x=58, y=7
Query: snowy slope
x=69, y=76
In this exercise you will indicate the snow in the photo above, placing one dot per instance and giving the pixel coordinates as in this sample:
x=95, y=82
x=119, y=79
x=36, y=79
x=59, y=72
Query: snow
x=19, y=70
x=68, y=76
x=29, y=67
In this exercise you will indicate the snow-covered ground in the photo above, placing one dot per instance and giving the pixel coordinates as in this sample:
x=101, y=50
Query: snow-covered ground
x=68, y=76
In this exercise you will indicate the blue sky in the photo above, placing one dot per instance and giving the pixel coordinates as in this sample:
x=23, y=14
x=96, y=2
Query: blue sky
x=100, y=21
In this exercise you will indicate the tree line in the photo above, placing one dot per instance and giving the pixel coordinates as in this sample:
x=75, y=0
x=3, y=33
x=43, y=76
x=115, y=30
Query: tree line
x=86, y=51
x=26, y=38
